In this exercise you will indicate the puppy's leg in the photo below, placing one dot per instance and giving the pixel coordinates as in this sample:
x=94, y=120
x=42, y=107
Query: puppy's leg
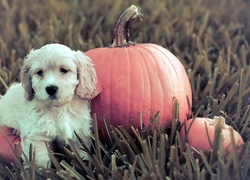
x=41, y=152
x=79, y=147
x=80, y=151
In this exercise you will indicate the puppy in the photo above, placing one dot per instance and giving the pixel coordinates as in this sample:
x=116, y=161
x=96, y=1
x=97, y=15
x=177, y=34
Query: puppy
x=52, y=100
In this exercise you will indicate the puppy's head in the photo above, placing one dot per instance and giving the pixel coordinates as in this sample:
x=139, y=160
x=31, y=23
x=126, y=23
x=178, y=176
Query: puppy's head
x=55, y=73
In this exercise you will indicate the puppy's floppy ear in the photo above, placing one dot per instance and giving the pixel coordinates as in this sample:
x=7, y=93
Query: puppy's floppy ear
x=26, y=80
x=86, y=89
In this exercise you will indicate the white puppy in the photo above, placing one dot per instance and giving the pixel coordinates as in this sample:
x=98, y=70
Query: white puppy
x=52, y=100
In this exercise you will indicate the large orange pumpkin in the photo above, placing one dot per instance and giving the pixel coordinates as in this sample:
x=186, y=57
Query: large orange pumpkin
x=135, y=78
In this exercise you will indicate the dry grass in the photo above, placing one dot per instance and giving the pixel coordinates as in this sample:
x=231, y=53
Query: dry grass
x=211, y=38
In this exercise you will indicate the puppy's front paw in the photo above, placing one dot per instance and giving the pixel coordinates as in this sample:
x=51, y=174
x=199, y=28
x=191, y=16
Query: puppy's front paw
x=43, y=161
x=83, y=154
x=41, y=153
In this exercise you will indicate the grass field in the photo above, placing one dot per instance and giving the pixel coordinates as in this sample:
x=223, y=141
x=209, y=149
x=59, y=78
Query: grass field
x=212, y=40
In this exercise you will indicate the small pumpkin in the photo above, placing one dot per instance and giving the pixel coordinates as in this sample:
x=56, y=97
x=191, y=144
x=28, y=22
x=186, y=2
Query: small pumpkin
x=200, y=134
x=135, y=78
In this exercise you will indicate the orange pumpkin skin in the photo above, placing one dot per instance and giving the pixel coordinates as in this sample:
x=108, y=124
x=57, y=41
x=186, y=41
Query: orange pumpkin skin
x=198, y=138
x=138, y=78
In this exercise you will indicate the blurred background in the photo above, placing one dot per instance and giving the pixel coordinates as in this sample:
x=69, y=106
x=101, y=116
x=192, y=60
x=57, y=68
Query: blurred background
x=185, y=27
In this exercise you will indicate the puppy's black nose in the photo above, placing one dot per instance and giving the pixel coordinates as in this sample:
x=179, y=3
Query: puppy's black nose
x=51, y=90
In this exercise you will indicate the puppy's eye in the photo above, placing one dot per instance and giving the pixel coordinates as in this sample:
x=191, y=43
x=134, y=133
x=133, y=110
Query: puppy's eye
x=64, y=71
x=40, y=73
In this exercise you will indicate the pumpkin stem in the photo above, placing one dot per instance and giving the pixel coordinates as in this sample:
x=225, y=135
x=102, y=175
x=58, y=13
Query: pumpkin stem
x=219, y=119
x=120, y=36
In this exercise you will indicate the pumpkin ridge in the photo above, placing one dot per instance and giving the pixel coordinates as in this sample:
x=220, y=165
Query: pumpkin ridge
x=162, y=80
x=172, y=59
x=156, y=65
x=174, y=63
x=135, y=63
x=146, y=97
x=150, y=51
x=148, y=74
x=110, y=89
x=129, y=84
x=127, y=70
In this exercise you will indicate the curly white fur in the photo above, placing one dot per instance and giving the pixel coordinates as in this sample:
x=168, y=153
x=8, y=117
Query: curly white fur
x=52, y=100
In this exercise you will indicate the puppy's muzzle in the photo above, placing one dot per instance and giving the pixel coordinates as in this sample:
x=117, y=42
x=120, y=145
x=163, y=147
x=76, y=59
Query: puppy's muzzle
x=52, y=90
